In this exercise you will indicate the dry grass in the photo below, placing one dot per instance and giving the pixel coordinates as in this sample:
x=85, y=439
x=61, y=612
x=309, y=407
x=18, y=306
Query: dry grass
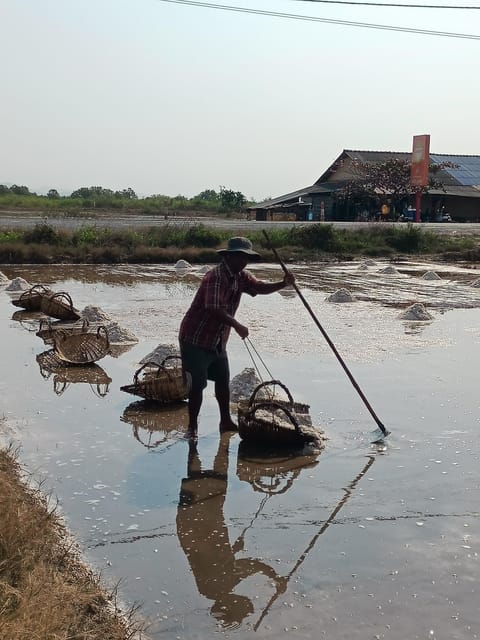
x=46, y=592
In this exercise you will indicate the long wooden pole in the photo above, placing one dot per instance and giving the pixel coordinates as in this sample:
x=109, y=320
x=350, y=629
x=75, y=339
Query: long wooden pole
x=330, y=343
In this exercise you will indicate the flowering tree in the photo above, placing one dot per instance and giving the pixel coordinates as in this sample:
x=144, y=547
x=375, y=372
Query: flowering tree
x=389, y=180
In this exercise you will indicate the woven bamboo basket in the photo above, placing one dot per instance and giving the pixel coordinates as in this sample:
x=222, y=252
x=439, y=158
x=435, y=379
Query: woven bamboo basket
x=266, y=392
x=59, y=305
x=160, y=382
x=81, y=348
x=271, y=423
x=47, y=329
x=32, y=298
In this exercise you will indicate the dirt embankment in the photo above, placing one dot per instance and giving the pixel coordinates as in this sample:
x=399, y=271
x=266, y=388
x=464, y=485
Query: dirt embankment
x=45, y=589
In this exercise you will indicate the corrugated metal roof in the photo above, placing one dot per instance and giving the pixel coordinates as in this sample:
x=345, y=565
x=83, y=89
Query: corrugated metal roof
x=292, y=197
x=467, y=171
x=461, y=180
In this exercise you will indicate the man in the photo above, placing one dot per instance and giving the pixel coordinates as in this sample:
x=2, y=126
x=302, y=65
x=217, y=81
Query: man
x=205, y=329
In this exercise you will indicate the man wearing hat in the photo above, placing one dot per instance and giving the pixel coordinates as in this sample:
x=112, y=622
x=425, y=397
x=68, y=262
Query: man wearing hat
x=206, y=326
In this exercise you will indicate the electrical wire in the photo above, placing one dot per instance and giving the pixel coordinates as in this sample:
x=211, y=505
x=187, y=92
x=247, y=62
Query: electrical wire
x=348, y=23
x=392, y=4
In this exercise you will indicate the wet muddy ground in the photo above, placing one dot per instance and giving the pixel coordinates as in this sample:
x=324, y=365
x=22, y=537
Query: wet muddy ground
x=360, y=541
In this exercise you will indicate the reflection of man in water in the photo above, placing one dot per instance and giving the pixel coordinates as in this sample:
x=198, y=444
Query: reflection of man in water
x=203, y=534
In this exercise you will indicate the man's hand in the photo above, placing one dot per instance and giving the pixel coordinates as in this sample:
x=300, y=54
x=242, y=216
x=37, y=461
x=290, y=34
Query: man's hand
x=289, y=278
x=241, y=329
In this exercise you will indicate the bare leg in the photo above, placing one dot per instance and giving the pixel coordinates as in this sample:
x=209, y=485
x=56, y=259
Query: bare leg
x=194, y=403
x=222, y=393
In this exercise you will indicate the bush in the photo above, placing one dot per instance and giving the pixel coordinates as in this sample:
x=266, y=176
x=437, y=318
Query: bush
x=201, y=236
x=317, y=236
x=42, y=234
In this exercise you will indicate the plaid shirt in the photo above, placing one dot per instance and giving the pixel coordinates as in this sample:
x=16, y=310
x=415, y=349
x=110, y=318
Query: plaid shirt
x=219, y=289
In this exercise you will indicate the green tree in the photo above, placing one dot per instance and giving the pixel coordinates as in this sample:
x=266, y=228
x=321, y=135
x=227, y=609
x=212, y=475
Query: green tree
x=52, y=194
x=231, y=199
x=91, y=192
x=21, y=190
x=126, y=194
x=210, y=195
x=390, y=179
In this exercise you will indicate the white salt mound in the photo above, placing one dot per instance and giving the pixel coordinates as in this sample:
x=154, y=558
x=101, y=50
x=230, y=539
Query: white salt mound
x=415, y=312
x=95, y=314
x=182, y=264
x=18, y=284
x=389, y=270
x=3, y=278
x=476, y=283
x=370, y=262
x=243, y=384
x=341, y=295
x=159, y=354
x=204, y=269
x=118, y=334
x=363, y=267
x=431, y=275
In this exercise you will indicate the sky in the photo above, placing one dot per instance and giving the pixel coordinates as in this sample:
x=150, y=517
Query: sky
x=173, y=99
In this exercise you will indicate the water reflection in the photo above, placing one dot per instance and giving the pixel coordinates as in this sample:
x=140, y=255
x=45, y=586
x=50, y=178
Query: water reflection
x=348, y=492
x=64, y=375
x=29, y=320
x=204, y=537
x=149, y=420
x=271, y=472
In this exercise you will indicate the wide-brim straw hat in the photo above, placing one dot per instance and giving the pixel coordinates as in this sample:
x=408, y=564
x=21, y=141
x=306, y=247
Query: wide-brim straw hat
x=239, y=245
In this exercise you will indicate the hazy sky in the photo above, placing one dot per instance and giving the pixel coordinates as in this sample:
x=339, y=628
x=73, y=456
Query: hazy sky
x=174, y=99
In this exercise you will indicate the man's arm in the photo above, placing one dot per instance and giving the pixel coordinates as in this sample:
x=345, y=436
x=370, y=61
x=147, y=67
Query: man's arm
x=222, y=316
x=264, y=288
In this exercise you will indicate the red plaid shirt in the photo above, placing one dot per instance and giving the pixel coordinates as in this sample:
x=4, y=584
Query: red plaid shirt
x=219, y=289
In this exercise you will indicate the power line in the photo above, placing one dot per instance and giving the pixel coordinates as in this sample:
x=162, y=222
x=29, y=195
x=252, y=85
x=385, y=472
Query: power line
x=347, y=23
x=391, y=4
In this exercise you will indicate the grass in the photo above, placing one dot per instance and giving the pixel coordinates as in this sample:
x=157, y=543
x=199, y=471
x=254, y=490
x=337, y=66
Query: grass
x=46, y=592
x=198, y=243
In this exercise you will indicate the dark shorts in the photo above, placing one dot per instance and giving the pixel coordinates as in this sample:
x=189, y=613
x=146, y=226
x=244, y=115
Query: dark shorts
x=204, y=364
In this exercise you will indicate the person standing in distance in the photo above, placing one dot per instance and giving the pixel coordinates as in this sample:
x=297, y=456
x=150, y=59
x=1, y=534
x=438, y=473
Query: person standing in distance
x=206, y=326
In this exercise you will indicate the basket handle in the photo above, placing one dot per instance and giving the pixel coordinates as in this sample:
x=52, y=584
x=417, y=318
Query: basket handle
x=265, y=384
x=274, y=405
x=102, y=329
x=37, y=288
x=100, y=392
x=62, y=294
x=59, y=386
x=47, y=323
x=138, y=371
x=170, y=357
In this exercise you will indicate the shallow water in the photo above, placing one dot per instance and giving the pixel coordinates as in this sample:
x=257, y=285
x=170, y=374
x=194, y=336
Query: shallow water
x=361, y=541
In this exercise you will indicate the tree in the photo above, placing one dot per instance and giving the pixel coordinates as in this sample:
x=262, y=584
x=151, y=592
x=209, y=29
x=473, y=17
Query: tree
x=4, y=189
x=231, y=199
x=386, y=180
x=210, y=195
x=91, y=192
x=21, y=190
x=127, y=194
x=52, y=194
